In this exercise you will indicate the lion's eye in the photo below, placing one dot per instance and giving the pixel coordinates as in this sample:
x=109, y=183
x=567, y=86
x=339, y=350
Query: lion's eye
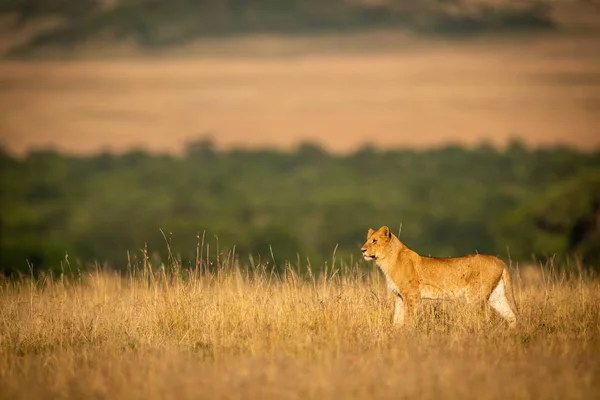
x=374, y=241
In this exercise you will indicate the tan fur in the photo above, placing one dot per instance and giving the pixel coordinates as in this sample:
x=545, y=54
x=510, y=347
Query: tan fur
x=478, y=278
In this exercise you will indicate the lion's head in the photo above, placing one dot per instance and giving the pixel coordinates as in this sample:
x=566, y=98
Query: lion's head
x=377, y=242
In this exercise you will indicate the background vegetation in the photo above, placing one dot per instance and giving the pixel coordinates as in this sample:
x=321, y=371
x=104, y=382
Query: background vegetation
x=152, y=23
x=516, y=202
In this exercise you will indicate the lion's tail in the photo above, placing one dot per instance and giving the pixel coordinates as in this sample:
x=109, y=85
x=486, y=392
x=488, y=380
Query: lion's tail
x=509, y=288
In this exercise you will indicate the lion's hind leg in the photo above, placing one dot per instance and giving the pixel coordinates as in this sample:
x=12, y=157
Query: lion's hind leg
x=499, y=302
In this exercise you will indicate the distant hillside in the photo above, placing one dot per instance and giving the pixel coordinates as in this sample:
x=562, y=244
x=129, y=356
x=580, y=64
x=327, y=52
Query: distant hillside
x=156, y=23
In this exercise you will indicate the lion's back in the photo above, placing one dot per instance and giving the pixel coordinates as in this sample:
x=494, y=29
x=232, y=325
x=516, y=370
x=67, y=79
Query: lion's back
x=457, y=273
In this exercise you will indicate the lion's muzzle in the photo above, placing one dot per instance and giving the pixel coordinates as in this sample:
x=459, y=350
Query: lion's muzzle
x=367, y=256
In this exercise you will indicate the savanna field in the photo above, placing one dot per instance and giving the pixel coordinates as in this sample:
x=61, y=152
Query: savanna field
x=202, y=322
x=286, y=129
x=241, y=331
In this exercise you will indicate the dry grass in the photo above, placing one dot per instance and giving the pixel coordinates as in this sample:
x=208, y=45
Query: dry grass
x=244, y=333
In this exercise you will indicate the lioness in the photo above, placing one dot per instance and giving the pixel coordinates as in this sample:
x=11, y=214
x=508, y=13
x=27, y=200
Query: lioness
x=476, y=277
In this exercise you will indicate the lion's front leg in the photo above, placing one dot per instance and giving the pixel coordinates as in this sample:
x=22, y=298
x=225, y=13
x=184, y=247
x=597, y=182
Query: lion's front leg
x=399, y=311
x=408, y=307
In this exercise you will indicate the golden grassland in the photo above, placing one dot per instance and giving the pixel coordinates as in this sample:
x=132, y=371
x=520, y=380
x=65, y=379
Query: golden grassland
x=243, y=332
x=340, y=92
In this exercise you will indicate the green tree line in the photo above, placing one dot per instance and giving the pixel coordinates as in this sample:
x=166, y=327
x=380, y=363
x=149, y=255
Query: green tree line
x=152, y=23
x=450, y=201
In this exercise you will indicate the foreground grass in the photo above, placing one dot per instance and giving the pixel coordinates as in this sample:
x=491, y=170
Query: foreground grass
x=241, y=333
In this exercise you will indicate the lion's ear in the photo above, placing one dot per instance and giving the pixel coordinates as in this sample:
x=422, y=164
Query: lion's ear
x=370, y=232
x=385, y=231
